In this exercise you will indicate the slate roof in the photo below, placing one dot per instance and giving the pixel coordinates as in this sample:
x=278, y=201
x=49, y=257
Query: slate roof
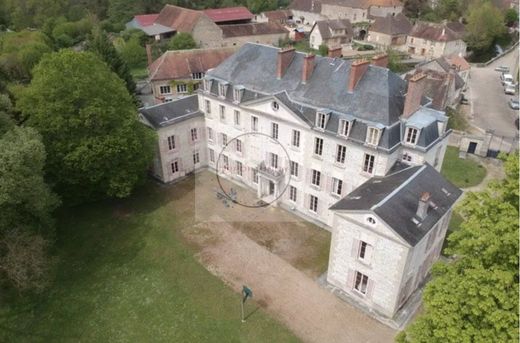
x=392, y=25
x=378, y=97
x=169, y=113
x=434, y=32
x=394, y=198
x=326, y=28
x=252, y=29
x=181, y=64
x=219, y=15
x=179, y=18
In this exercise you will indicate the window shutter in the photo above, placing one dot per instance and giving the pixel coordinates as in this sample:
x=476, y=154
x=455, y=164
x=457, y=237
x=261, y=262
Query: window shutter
x=368, y=253
x=355, y=248
x=351, y=274
x=370, y=288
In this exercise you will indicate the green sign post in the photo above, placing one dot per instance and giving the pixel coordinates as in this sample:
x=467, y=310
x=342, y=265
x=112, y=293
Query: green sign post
x=246, y=293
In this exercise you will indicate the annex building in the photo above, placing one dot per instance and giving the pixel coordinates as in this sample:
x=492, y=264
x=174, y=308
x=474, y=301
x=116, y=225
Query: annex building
x=346, y=144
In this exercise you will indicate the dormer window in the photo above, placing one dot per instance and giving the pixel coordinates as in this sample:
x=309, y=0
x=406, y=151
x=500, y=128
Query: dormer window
x=412, y=134
x=344, y=127
x=237, y=94
x=373, y=136
x=197, y=76
x=207, y=85
x=222, y=89
x=321, y=120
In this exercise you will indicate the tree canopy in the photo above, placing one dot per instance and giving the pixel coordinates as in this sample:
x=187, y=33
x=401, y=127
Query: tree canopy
x=475, y=297
x=182, y=41
x=96, y=146
x=485, y=24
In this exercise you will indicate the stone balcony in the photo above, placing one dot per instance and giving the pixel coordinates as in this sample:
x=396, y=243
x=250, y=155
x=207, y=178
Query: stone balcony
x=274, y=174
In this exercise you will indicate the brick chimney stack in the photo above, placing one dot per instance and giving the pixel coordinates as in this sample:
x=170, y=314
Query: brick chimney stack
x=308, y=67
x=149, y=54
x=380, y=60
x=357, y=70
x=285, y=57
x=412, y=101
x=335, y=52
x=424, y=203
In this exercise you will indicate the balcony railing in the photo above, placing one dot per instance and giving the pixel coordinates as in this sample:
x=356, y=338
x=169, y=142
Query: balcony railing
x=274, y=173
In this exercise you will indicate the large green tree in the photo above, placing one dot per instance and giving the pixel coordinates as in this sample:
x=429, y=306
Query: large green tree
x=485, y=24
x=475, y=297
x=95, y=143
x=100, y=44
x=26, y=205
x=182, y=41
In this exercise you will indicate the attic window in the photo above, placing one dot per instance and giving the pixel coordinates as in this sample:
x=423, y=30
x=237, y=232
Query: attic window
x=207, y=85
x=411, y=135
x=344, y=128
x=372, y=136
x=222, y=88
x=321, y=120
x=237, y=95
x=197, y=76
x=275, y=106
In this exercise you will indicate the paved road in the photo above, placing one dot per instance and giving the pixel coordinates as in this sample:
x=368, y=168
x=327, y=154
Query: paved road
x=490, y=108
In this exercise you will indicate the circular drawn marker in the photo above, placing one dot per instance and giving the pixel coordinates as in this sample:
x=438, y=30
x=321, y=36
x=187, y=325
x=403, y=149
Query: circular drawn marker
x=262, y=138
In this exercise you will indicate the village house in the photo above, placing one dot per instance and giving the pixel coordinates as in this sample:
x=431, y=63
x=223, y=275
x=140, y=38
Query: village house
x=389, y=31
x=307, y=12
x=433, y=40
x=332, y=33
x=283, y=17
x=346, y=144
x=446, y=63
x=211, y=28
x=178, y=73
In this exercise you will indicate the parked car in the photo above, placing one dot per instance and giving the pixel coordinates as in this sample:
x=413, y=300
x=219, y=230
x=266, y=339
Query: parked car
x=510, y=89
x=502, y=69
x=506, y=78
x=514, y=104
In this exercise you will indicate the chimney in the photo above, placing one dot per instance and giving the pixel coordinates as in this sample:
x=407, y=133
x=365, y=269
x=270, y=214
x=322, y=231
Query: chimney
x=380, y=60
x=424, y=203
x=285, y=57
x=412, y=101
x=149, y=54
x=357, y=70
x=308, y=67
x=335, y=52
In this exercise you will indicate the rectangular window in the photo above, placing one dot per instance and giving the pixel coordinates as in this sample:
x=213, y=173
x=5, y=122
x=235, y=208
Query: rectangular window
x=196, y=158
x=362, y=250
x=337, y=186
x=182, y=88
x=316, y=178
x=292, y=193
x=221, y=90
x=313, y=206
x=194, y=135
x=274, y=130
x=318, y=146
x=238, y=145
x=372, y=136
x=207, y=85
x=224, y=139
x=197, y=76
x=236, y=95
x=254, y=123
x=212, y=155
x=165, y=89
x=236, y=117
x=321, y=120
x=171, y=142
x=175, y=167
x=294, y=169
x=208, y=106
x=255, y=176
x=295, y=138
x=273, y=160
x=368, y=165
x=222, y=112
x=341, y=153
x=361, y=283
x=411, y=135
x=239, y=168
x=344, y=126
x=225, y=159
x=211, y=136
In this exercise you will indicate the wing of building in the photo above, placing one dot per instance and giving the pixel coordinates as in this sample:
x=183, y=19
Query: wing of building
x=346, y=144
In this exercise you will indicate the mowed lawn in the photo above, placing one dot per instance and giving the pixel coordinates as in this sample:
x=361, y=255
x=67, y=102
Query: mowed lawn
x=126, y=275
x=461, y=172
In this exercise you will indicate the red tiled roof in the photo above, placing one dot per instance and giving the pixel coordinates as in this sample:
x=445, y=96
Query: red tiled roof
x=459, y=61
x=181, y=64
x=146, y=19
x=178, y=18
x=219, y=15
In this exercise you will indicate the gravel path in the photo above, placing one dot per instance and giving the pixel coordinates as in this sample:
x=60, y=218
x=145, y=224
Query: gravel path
x=312, y=313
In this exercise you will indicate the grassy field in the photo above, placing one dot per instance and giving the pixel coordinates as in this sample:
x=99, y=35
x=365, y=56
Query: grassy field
x=462, y=173
x=125, y=275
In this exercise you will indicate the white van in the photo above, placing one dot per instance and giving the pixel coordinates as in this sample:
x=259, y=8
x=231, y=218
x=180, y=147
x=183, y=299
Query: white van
x=506, y=78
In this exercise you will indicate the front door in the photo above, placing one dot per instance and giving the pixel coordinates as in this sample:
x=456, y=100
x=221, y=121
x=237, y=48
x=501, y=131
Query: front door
x=271, y=187
x=472, y=147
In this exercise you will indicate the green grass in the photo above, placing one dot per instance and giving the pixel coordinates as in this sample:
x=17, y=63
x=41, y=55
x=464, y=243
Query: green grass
x=125, y=275
x=139, y=73
x=462, y=173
